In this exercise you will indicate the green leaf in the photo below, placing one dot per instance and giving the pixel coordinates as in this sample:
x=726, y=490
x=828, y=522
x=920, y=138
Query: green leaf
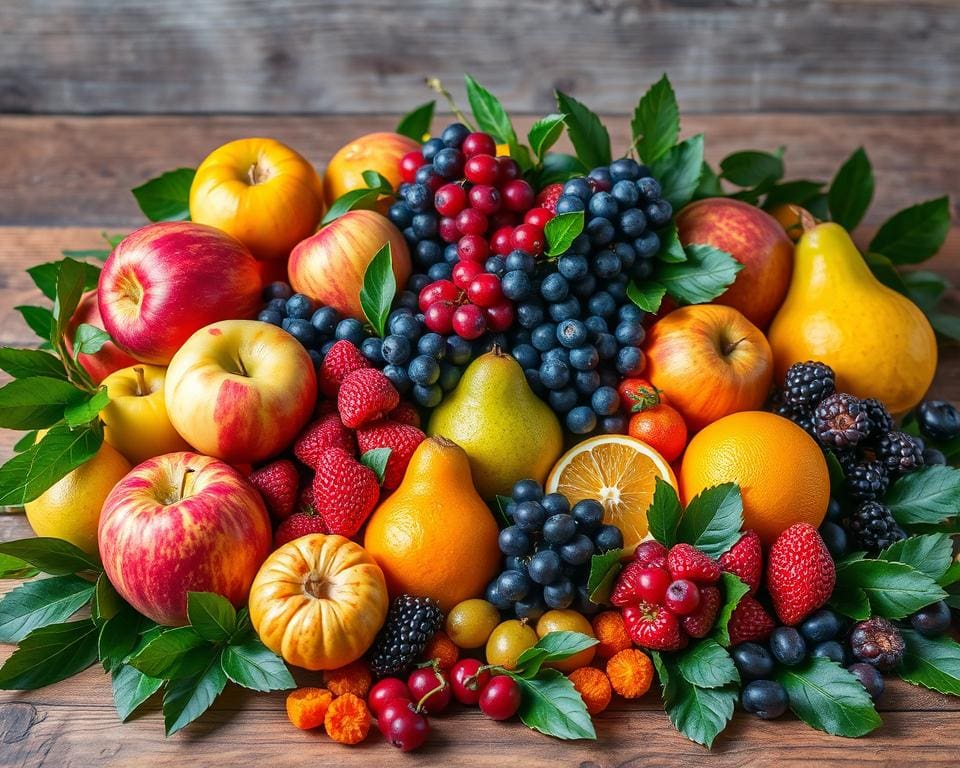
x=559, y=167
x=933, y=662
x=827, y=697
x=175, y=653
x=915, y=233
x=544, y=133
x=255, y=666
x=85, y=412
x=894, y=590
x=733, y=592
x=884, y=270
x=929, y=495
x=946, y=325
x=379, y=288
x=54, y=556
x=851, y=190
x=751, y=168
x=489, y=112
x=188, y=698
x=951, y=575
x=365, y=199
x=87, y=253
x=648, y=296
x=244, y=630
x=709, y=184
x=88, y=339
x=167, y=197
x=416, y=123
x=27, y=363
x=713, y=519
x=27, y=475
x=36, y=402
x=376, y=180
x=39, y=320
x=924, y=288
x=131, y=688
x=561, y=231
x=552, y=647
x=679, y=169
x=50, y=654
x=14, y=568
x=377, y=459
x=106, y=603
x=837, y=475
x=700, y=714
x=28, y=439
x=706, y=664
x=664, y=513
x=118, y=637
x=851, y=602
x=656, y=121
x=71, y=283
x=587, y=134
x=706, y=274
x=41, y=603
x=671, y=250
x=797, y=192
x=45, y=275
x=551, y=705
x=211, y=616
x=603, y=570
x=501, y=509
x=930, y=554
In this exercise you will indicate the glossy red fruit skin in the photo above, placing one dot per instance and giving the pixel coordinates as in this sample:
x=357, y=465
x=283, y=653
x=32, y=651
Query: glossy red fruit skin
x=518, y=195
x=471, y=222
x=460, y=673
x=389, y=709
x=469, y=322
x=528, y=238
x=438, y=290
x=439, y=317
x=464, y=273
x=651, y=552
x=481, y=169
x=409, y=164
x=425, y=682
x=682, y=597
x=448, y=230
x=500, y=698
x=450, y=200
x=485, y=199
x=478, y=143
x=473, y=248
x=652, y=585
x=538, y=217
x=484, y=290
x=504, y=218
x=500, y=316
x=508, y=170
x=407, y=730
x=386, y=690
x=501, y=241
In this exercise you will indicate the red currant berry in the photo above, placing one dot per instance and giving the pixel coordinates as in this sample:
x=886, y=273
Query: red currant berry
x=508, y=170
x=471, y=222
x=500, y=699
x=650, y=552
x=528, y=238
x=682, y=597
x=438, y=317
x=481, y=169
x=438, y=290
x=448, y=230
x=385, y=690
x=409, y=164
x=652, y=585
x=538, y=217
x=464, y=273
x=485, y=291
x=485, y=199
x=473, y=248
x=478, y=144
x=518, y=195
x=469, y=321
x=407, y=730
x=465, y=682
x=501, y=241
x=431, y=691
x=450, y=200
x=500, y=316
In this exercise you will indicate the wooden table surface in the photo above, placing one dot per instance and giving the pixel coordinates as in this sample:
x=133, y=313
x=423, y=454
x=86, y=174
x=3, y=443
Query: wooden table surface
x=66, y=179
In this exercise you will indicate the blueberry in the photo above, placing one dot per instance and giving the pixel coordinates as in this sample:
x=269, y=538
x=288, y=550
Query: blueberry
x=559, y=529
x=404, y=325
x=400, y=216
x=316, y=358
x=581, y=420
x=571, y=333
x=606, y=265
x=577, y=551
x=516, y=285
x=398, y=377
x=626, y=254
x=427, y=396
x=531, y=607
x=766, y=699
x=658, y=213
x=533, y=379
x=424, y=225
x=579, y=188
x=607, y=538
x=601, y=176
x=450, y=254
x=588, y=515
x=418, y=282
x=563, y=310
x=608, y=378
x=602, y=304
x=624, y=168
x=649, y=188
x=595, y=326
x=643, y=269
x=493, y=596
x=410, y=236
x=459, y=350
x=418, y=198
x=614, y=425
x=933, y=458
x=829, y=649
x=555, y=374
x=526, y=355
x=432, y=344
x=753, y=661
x=560, y=594
x=521, y=260
x=617, y=288
x=526, y=490
x=454, y=134
x=572, y=266
x=585, y=287
x=630, y=333
x=325, y=320
x=302, y=331
x=544, y=567
x=495, y=266
x=350, y=329
x=278, y=305
x=606, y=346
x=632, y=223
x=583, y=604
x=604, y=205
x=554, y=287
x=586, y=382
x=448, y=162
x=270, y=316
x=530, y=314
x=556, y=504
x=449, y=376
x=372, y=349
x=544, y=337
x=787, y=646
x=299, y=307
x=326, y=346
x=285, y=323
x=431, y=148
x=605, y=401
x=938, y=420
x=569, y=204
x=835, y=511
x=870, y=678
x=585, y=358
x=513, y=585
x=562, y=400
x=835, y=538
x=600, y=231
x=933, y=620
x=820, y=625
x=647, y=245
x=426, y=253
x=441, y=271
x=629, y=361
x=630, y=312
x=625, y=193
x=514, y=562
x=424, y=370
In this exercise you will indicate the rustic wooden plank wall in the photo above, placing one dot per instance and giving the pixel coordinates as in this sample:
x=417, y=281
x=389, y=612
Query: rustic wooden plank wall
x=363, y=56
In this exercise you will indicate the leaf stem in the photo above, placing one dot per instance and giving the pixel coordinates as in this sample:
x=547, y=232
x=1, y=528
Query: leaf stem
x=434, y=84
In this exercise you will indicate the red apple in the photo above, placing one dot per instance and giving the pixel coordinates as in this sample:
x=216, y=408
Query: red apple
x=166, y=280
x=240, y=390
x=755, y=239
x=710, y=361
x=182, y=523
x=329, y=266
x=110, y=358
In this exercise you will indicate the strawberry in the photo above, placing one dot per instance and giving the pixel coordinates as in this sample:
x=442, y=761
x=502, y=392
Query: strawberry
x=800, y=573
x=749, y=622
x=366, y=395
x=548, y=197
x=326, y=432
x=297, y=525
x=342, y=358
x=305, y=501
x=277, y=483
x=345, y=492
x=685, y=561
x=401, y=439
x=745, y=560
x=700, y=622
x=652, y=626
x=405, y=413
x=651, y=553
x=625, y=591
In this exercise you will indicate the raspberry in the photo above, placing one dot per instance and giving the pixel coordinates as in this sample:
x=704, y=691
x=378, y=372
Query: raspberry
x=686, y=562
x=401, y=439
x=277, y=483
x=749, y=622
x=700, y=622
x=365, y=395
x=548, y=197
x=326, y=432
x=841, y=421
x=342, y=358
x=745, y=560
x=345, y=492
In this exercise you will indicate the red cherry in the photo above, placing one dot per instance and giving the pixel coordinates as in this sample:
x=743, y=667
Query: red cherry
x=467, y=690
x=464, y=272
x=438, y=290
x=518, y=195
x=390, y=709
x=538, y=217
x=478, y=144
x=450, y=199
x=438, y=317
x=386, y=690
x=407, y=730
x=471, y=222
x=431, y=691
x=469, y=321
x=473, y=248
x=481, y=169
x=528, y=238
x=501, y=241
x=448, y=230
x=500, y=699
x=485, y=199
x=652, y=585
x=484, y=290
x=409, y=164
x=509, y=170
x=500, y=316
x=682, y=597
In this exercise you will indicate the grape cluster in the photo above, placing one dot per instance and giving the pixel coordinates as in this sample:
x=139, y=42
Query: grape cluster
x=548, y=549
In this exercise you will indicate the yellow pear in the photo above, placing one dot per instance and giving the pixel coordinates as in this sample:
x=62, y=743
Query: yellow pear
x=507, y=431
x=877, y=341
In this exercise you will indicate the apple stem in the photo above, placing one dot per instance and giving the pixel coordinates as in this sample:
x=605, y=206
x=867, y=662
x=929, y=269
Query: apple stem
x=141, y=382
x=807, y=221
x=183, y=481
x=732, y=345
x=257, y=174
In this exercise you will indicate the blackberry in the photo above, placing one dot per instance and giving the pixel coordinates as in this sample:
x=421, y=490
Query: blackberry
x=410, y=625
x=878, y=642
x=900, y=452
x=841, y=421
x=867, y=481
x=808, y=383
x=881, y=421
x=873, y=528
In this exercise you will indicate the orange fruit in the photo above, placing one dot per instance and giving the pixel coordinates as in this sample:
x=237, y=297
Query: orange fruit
x=781, y=471
x=619, y=471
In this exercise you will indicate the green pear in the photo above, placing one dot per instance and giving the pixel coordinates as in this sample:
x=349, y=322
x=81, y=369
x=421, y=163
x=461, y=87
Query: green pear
x=507, y=431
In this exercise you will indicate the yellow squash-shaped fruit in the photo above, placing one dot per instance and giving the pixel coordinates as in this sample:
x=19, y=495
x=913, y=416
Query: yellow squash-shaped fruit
x=319, y=601
x=435, y=537
x=507, y=431
x=877, y=341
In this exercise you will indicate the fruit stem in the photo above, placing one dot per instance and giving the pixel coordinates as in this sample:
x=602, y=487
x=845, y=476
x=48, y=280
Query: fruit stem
x=257, y=174
x=183, y=481
x=141, y=382
x=730, y=346
x=434, y=84
x=428, y=694
x=807, y=220
x=471, y=682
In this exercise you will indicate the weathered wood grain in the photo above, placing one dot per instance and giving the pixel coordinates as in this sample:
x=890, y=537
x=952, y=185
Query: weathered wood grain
x=348, y=56
x=77, y=171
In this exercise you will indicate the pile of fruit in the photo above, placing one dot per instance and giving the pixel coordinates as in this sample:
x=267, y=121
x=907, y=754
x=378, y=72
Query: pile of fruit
x=469, y=422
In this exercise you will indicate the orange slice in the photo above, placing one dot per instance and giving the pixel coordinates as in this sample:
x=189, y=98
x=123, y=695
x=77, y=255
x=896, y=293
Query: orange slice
x=617, y=470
